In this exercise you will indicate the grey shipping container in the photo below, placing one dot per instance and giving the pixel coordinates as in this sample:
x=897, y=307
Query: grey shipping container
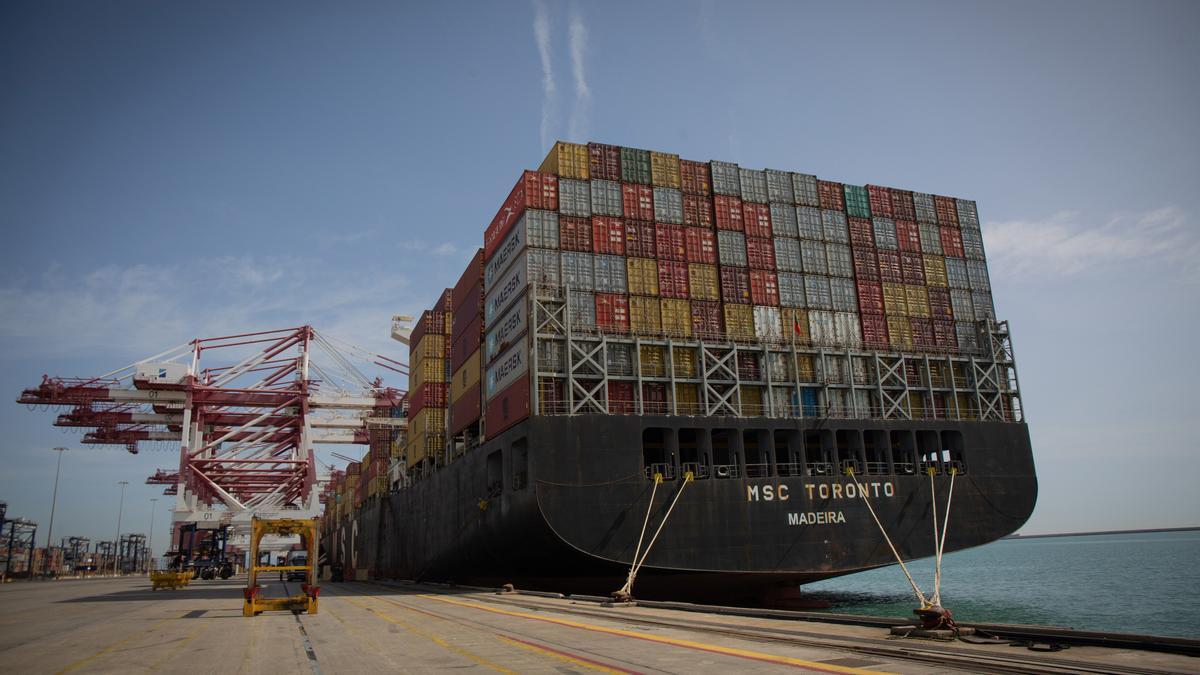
x=972, y=244
x=977, y=276
x=787, y=255
x=812, y=255
x=968, y=339
x=583, y=310
x=833, y=223
x=808, y=223
x=620, y=358
x=817, y=293
x=805, y=187
x=968, y=216
x=783, y=220
x=606, y=198
x=754, y=185
x=552, y=355
x=956, y=273
x=574, y=197
x=931, y=238
x=961, y=305
x=926, y=213
x=731, y=248
x=982, y=304
x=725, y=178
x=779, y=187
x=885, y=233
x=609, y=274
x=839, y=261
x=791, y=290
x=535, y=228
x=577, y=271
x=534, y=266
x=844, y=295
x=668, y=205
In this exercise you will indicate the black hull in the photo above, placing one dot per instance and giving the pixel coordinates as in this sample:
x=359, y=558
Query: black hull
x=571, y=523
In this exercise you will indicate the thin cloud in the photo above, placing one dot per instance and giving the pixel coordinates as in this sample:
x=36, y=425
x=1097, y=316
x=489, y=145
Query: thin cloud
x=578, y=37
x=1062, y=246
x=541, y=36
x=419, y=246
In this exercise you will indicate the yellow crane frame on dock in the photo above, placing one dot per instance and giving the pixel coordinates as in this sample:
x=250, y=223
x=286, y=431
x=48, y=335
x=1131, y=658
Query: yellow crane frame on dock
x=306, y=601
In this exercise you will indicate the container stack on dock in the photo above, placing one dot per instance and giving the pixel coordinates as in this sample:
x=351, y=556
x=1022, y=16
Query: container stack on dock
x=429, y=381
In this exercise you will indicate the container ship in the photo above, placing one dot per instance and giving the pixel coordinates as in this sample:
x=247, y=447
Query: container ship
x=744, y=380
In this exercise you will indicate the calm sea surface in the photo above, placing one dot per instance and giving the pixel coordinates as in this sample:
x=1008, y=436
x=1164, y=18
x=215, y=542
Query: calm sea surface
x=1131, y=583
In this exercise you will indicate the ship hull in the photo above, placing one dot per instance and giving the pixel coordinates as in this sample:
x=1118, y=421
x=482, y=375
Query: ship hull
x=561, y=504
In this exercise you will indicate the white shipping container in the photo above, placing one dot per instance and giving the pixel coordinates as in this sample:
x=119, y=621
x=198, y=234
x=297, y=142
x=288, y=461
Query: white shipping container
x=577, y=271
x=839, y=260
x=847, y=329
x=787, y=255
x=779, y=187
x=725, y=178
x=961, y=305
x=668, y=205
x=833, y=224
x=783, y=220
x=812, y=255
x=822, y=329
x=507, y=369
x=754, y=185
x=508, y=329
x=804, y=185
x=731, y=248
x=808, y=223
x=610, y=274
x=767, y=324
x=535, y=228
x=606, y=198
x=533, y=266
x=885, y=233
x=574, y=197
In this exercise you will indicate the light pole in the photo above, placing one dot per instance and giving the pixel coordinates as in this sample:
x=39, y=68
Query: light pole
x=117, y=543
x=150, y=544
x=53, y=504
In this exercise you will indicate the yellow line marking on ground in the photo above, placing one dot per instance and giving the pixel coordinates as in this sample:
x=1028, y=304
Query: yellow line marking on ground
x=432, y=637
x=562, y=656
x=114, y=646
x=728, y=651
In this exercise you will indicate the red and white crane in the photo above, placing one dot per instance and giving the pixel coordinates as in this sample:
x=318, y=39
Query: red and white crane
x=246, y=411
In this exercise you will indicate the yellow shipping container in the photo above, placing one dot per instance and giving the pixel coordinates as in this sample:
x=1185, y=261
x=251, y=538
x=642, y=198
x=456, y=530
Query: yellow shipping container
x=466, y=377
x=806, y=368
x=664, y=169
x=687, y=399
x=431, y=346
x=423, y=446
x=752, y=400
x=895, y=299
x=642, y=275
x=918, y=301
x=704, y=282
x=569, y=160
x=795, y=325
x=739, y=321
x=900, y=332
x=935, y=270
x=676, y=317
x=652, y=360
x=645, y=317
x=428, y=370
x=685, y=362
x=966, y=407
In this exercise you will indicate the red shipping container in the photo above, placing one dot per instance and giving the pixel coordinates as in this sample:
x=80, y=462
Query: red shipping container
x=673, y=279
x=902, y=205
x=728, y=213
x=947, y=211
x=862, y=233
x=637, y=201
x=764, y=288
x=881, y=201
x=952, y=244
x=654, y=398
x=870, y=297
x=735, y=285
x=669, y=242
x=612, y=313
x=757, y=220
x=922, y=330
x=889, y=266
x=706, y=319
x=760, y=253
x=466, y=410
x=620, y=398
x=468, y=312
x=912, y=268
x=508, y=407
x=700, y=245
x=695, y=177
x=748, y=367
x=908, y=236
x=430, y=322
x=832, y=195
x=533, y=190
x=574, y=234
x=874, y=330
x=608, y=235
x=445, y=303
x=944, y=337
x=428, y=395
x=604, y=161
x=639, y=239
x=466, y=344
x=939, y=304
x=866, y=265
x=471, y=279
x=697, y=211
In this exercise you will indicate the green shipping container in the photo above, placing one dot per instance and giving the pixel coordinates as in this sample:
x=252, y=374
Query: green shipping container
x=635, y=166
x=858, y=204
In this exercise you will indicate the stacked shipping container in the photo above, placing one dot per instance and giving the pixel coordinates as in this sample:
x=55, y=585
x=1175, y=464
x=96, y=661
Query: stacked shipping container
x=644, y=244
x=429, y=382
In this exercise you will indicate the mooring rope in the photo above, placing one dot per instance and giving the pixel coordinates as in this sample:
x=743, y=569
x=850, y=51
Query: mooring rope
x=941, y=544
x=628, y=587
x=633, y=566
x=863, y=493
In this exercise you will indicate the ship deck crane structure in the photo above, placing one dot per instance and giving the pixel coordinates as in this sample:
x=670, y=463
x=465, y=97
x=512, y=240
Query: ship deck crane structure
x=246, y=411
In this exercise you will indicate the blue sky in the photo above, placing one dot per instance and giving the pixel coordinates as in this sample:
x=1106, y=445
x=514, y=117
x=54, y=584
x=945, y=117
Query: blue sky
x=174, y=170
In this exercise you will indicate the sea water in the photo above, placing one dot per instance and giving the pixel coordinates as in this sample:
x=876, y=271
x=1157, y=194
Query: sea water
x=1146, y=583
